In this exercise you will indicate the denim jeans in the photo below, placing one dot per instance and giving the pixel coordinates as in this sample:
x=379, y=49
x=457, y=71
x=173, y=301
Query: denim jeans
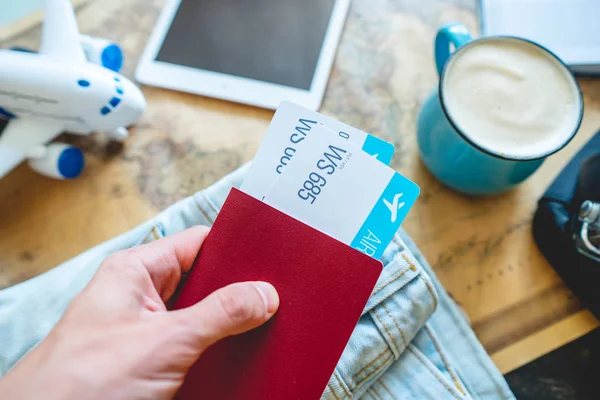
x=412, y=342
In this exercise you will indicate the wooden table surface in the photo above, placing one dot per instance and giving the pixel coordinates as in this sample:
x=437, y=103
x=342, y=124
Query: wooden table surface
x=481, y=248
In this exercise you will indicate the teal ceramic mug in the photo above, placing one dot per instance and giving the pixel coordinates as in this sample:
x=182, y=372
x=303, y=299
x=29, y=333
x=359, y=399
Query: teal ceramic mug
x=503, y=104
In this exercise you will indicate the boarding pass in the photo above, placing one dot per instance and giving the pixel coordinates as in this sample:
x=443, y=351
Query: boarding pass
x=285, y=137
x=334, y=186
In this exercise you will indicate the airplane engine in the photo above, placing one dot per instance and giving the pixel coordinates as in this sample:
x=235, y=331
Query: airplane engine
x=60, y=161
x=102, y=52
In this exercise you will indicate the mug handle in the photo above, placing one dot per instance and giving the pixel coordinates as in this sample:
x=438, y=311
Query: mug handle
x=454, y=33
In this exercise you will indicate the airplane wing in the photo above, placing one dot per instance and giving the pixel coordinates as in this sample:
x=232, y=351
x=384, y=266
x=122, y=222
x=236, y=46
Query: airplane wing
x=60, y=35
x=22, y=135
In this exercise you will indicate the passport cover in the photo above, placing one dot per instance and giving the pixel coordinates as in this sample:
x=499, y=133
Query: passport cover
x=323, y=285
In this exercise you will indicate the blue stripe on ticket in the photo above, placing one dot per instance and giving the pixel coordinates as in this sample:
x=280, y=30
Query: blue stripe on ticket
x=387, y=215
x=379, y=148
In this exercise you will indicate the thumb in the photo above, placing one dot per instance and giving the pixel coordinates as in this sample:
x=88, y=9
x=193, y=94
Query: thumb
x=232, y=310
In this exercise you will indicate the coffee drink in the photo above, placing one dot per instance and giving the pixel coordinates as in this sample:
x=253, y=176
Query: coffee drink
x=511, y=98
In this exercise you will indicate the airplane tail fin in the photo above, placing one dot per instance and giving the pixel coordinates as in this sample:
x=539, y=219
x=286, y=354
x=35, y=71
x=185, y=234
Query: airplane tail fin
x=60, y=35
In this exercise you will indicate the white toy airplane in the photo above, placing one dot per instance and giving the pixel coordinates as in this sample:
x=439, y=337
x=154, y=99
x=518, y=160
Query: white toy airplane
x=56, y=90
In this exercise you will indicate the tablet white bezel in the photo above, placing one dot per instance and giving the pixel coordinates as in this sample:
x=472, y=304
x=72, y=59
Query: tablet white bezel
x=235, y=88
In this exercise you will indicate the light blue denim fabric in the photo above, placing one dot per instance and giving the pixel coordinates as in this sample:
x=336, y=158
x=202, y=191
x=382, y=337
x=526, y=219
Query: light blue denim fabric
x=411, y=342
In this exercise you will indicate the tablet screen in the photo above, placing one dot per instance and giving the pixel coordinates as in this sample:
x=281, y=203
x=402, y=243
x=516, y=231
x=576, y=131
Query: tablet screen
x=275, y=41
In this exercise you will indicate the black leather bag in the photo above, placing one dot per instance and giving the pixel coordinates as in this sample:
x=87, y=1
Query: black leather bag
x=555, y=223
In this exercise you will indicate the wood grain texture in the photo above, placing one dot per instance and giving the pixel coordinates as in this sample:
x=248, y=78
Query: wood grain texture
x=548, y=339
x=481, y=248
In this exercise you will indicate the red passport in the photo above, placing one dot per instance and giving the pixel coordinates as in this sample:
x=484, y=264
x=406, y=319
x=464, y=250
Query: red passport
x=323, y=285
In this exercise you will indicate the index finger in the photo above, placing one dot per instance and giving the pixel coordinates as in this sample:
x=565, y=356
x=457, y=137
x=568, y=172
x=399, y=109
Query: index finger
x=168, y=258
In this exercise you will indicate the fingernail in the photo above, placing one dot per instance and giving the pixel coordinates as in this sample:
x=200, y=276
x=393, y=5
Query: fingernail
x=269, y=296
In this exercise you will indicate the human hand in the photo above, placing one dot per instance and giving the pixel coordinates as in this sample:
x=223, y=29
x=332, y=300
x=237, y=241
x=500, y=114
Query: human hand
x=117, y=340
